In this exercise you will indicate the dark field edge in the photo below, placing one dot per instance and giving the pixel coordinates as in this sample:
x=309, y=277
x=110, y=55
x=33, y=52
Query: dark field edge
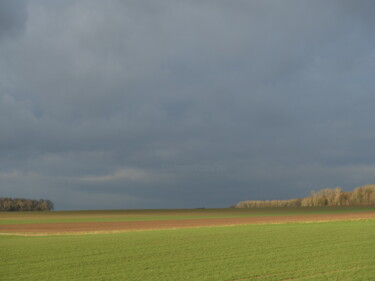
x=167, y=214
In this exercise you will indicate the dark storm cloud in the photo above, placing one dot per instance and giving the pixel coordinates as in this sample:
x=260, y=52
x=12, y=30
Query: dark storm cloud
x=12, y=17
x=128, y=104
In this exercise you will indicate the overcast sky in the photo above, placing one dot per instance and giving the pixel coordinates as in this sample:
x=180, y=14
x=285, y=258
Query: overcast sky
x=184, y=104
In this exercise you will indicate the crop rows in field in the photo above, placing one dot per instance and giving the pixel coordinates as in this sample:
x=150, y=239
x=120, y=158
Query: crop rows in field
x=128, y=220
x=341, y=250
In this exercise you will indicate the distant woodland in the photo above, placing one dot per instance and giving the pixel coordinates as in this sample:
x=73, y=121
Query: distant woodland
x=21, y=204
x=362, y=195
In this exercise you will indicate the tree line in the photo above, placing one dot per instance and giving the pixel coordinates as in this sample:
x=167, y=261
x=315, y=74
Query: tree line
x=24, y=205
x=362, y=195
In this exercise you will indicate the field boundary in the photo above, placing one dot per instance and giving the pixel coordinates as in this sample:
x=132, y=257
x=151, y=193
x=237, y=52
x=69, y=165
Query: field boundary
x=86, y=228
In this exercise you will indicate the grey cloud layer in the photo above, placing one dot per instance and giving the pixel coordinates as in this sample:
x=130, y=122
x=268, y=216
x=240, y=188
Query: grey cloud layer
x=123, y=104
x=12, y=17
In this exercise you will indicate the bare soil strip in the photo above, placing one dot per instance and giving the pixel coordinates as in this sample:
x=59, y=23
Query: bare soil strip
x=110, y=227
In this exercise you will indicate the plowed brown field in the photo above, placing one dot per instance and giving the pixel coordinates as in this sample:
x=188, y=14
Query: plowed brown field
x=108, y=227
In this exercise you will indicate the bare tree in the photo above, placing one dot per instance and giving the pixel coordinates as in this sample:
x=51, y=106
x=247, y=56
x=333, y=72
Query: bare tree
x=362, y=195
x=21, y=204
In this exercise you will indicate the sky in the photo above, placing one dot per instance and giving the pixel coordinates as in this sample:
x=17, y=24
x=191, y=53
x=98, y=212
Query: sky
x=184, y=104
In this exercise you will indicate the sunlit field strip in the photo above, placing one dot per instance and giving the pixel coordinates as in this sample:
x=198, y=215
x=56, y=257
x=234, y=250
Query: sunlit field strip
x=292, y=251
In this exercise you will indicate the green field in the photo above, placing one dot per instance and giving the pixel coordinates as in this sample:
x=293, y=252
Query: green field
x=179, y=214
x=342, y=250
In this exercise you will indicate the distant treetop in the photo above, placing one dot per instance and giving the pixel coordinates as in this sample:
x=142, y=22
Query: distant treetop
x=24, y=205
x=362, y=195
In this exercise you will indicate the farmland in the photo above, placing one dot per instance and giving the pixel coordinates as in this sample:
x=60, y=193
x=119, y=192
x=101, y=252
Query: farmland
x=337, y=245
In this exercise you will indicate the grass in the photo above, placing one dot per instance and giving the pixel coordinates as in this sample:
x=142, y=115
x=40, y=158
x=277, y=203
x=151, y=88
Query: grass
x=148, y=215
x=295, y=251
